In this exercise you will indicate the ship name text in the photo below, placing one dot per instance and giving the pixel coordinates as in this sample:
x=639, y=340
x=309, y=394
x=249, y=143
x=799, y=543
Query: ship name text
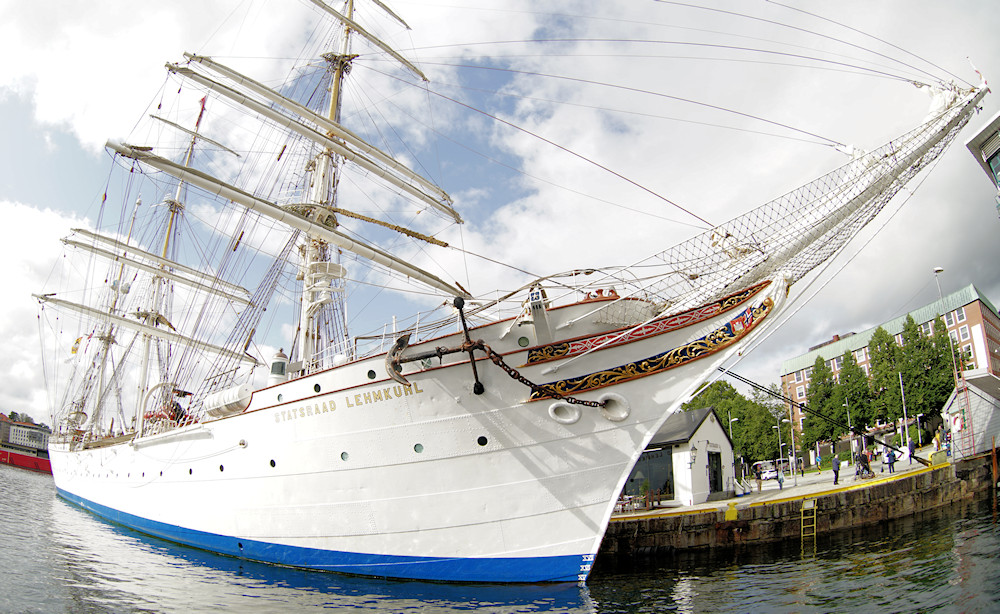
x=356, y=400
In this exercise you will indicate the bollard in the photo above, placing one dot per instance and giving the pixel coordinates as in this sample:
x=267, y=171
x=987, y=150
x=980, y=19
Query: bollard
x=731, y=512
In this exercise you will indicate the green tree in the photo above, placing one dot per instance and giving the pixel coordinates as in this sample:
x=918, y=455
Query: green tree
x=883, y=353
x=728, y=403
x=753, y=437
x=853, y=391
x=945, y=358
x=820, y=399
x=769, y=412
x=919, y=359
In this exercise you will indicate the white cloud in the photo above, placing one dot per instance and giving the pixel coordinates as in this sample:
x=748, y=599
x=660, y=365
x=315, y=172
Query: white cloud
x=92, y=69
x=29, y=247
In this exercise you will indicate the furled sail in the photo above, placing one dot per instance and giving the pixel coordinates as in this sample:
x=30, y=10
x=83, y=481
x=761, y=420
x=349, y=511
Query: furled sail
x=153, y=331
x=290, y=218
x=168, y=269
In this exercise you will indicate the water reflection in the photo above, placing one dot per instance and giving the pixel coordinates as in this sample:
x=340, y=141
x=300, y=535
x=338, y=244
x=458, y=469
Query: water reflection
x=57, y=557
x=107, y=564
x=947, y=560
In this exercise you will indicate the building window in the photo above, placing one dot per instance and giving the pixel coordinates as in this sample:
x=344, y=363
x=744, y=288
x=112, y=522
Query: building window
x=927, y=328
x=864, y=368
x=899, y=339
x=859, y=355
x=963, y=332
x=961, y=314
x=809, y=372
x=839, y=362
x=968, y=361
x=953, y=335
x=798, y=376
x=949, y=318
x=801, y=394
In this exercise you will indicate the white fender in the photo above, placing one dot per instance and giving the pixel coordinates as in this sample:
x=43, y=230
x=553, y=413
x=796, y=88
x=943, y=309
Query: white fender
x=564, y=413
x=616, y=408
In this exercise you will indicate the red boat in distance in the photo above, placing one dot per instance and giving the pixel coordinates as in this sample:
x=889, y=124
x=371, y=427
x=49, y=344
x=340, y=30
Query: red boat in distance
x=24, y=445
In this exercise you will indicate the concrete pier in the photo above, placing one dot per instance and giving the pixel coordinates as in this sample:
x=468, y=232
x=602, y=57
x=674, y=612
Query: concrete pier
x=774, y=514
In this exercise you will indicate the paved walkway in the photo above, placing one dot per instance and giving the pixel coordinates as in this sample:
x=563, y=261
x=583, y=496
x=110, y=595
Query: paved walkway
x=796, y=487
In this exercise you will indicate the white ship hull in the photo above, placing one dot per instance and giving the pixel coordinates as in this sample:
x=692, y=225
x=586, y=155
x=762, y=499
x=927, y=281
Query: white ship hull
x=347, y=470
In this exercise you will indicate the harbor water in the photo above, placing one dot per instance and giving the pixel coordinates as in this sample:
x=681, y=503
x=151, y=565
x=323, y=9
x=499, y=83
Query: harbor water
x=56, y=557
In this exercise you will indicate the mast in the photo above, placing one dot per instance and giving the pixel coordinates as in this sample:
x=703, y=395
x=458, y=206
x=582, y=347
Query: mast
x=107, y=337
x=158, y=311
x=320, y=272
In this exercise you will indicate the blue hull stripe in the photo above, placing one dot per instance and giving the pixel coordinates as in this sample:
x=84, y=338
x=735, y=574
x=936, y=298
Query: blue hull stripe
x=568, y=568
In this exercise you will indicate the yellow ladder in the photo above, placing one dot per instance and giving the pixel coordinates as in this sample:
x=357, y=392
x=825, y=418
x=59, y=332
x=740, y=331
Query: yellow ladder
x=808, y=524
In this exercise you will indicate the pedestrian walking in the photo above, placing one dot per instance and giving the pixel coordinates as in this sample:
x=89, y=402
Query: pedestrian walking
x=912, y=449
x=836, y=469
x=781, y=479
x=890, y=458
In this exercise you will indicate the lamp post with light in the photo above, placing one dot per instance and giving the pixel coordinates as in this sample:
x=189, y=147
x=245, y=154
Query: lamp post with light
x=780, y=445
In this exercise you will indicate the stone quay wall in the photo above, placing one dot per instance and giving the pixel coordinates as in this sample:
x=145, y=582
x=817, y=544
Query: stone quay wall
x=782, y=520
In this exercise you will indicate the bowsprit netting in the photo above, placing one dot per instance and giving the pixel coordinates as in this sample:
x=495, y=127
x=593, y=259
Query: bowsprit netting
x=791, y=235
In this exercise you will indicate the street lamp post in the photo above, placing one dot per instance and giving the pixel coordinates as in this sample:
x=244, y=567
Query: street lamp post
x=731, y=420
x=791, y=452
x=951, y=348
x=920, y=436
x=850, y=427
x=780, y=445
x=906, y=427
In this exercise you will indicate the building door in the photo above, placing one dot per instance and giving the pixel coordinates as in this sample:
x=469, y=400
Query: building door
x=714, y=472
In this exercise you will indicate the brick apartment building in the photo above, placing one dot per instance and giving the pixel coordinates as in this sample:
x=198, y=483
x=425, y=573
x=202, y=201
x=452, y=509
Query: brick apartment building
x=971, y=320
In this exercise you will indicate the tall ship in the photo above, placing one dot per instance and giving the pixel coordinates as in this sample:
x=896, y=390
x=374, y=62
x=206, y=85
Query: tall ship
x=485, y=439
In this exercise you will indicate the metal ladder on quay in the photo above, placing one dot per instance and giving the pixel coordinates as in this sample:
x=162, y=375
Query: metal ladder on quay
x=808, y=525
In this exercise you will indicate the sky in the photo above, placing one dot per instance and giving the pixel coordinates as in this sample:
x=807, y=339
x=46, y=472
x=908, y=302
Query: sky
x=80, y=74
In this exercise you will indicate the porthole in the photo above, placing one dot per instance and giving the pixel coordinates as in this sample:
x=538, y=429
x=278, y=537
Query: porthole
x=344, y=456
x=161, y=474
x=221, y=468
x=281, y=398
x=190, y=471
x=239, y=545
x=272, y=462
x=316, y=388
x=482, y=440
x=371, y=374
x=522, y=341
x=418, y=448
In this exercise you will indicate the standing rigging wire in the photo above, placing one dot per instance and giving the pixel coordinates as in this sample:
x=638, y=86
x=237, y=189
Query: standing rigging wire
x=811, y=32
x=883, y=41
x=827, y=141
x=708, y=225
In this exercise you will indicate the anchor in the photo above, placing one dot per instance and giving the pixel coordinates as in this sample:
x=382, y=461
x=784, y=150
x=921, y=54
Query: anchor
x=394, y=359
